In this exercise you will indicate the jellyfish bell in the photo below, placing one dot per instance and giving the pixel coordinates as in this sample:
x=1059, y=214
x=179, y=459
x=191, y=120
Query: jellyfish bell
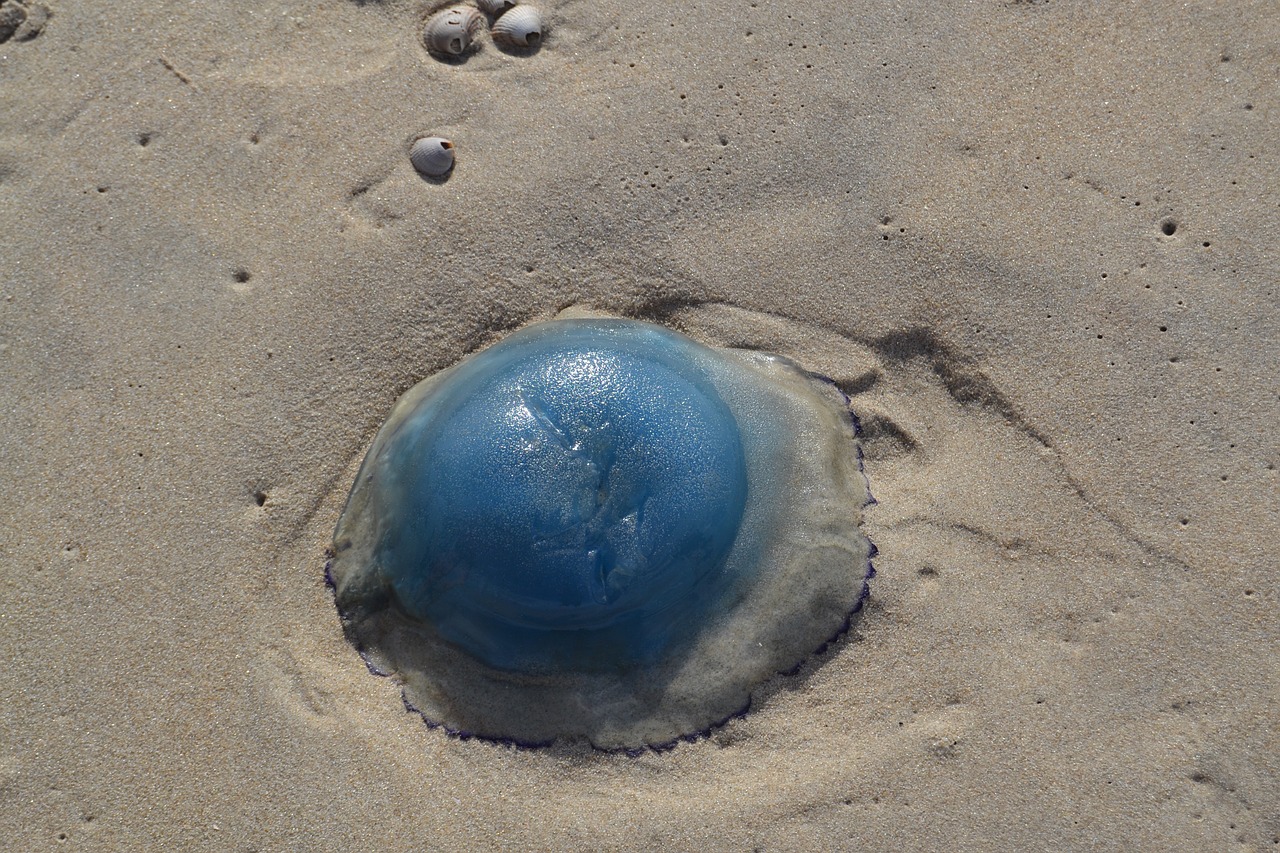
x=563, y=501
x=601, y=529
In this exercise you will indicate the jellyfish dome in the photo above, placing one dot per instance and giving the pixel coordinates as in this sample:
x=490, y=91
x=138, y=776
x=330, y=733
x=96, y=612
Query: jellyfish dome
x=601, y=529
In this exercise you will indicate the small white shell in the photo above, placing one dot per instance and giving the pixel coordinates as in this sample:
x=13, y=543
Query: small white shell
x=495, y=7
x=519, y=26
x=432, y=155
x=449, y=32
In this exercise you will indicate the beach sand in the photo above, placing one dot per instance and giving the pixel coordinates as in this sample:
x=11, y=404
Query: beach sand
x=1036, y=242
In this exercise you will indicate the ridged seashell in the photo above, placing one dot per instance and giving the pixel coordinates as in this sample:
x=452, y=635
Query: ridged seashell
x=495, y=7
x=449, y=32
x=432, y=156
x=520, y=26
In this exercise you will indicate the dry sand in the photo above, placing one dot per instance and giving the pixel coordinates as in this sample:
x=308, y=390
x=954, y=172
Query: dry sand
x=219, y=272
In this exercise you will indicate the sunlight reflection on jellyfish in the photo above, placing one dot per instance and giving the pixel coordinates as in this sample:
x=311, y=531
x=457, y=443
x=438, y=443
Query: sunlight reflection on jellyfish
x=600, y=529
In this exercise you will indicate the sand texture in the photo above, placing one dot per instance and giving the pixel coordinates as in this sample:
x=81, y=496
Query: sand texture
x=1035, y=242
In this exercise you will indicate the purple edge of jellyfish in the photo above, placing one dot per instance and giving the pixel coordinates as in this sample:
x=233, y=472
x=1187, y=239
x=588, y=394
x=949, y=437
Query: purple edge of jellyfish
x=691, y=737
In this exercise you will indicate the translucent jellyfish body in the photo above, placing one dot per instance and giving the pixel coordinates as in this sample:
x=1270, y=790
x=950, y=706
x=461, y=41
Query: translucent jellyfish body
x=600, y=529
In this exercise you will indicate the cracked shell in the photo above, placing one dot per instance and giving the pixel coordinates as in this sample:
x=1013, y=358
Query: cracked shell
x=520, y=26
x=432, y=155
x=495, y=7
x=451, y=31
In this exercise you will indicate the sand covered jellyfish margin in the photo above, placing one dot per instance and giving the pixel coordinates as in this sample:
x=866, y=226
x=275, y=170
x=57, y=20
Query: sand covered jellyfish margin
x=600, y=530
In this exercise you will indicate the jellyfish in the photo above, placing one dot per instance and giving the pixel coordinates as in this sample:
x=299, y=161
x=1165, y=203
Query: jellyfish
x=599, y=529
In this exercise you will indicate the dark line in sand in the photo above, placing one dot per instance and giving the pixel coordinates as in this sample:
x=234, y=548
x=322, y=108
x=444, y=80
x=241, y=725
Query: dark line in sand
x=169, y=66
x=1008, y=543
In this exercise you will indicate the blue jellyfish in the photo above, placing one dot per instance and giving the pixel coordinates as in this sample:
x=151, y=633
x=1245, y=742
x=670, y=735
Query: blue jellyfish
x=599, y=528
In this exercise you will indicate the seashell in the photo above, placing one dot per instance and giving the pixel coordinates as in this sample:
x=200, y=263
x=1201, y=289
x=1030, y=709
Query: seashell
x=432, y=156
x=520, y=26
x=495, y=7
x=450, y=32
x=599, y=528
